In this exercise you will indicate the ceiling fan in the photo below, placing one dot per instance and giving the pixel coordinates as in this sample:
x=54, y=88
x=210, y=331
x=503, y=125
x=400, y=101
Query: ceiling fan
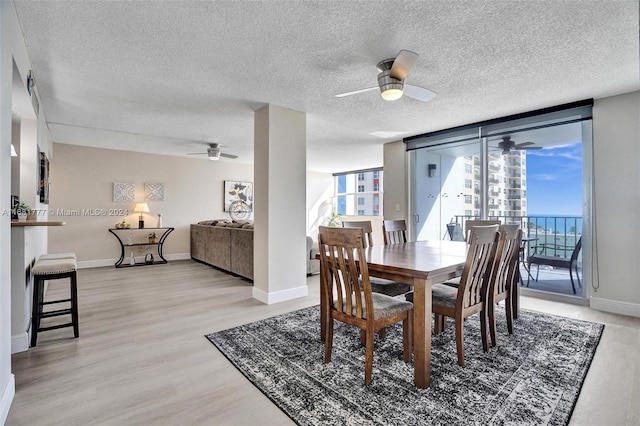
x=506, y=145
x=213, y=152
x=391, y=79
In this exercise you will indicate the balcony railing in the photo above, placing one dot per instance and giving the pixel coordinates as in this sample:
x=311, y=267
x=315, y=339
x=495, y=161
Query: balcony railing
x=553, y=235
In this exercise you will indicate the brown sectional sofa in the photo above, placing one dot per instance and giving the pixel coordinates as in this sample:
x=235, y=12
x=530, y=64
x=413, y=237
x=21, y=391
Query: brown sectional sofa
x=229, y=246
x=225, y=245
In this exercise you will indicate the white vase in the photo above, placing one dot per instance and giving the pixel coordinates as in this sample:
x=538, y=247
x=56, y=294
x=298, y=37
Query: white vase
x=22, y=217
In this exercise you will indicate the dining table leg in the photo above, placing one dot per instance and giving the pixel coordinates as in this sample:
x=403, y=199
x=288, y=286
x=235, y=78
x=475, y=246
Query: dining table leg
x=422, y=332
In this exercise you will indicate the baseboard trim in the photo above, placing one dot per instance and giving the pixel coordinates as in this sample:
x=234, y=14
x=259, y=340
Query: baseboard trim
x=19, y=342
x=279, y=296
x=616, y=307
x=99, y=263
x=7, y=398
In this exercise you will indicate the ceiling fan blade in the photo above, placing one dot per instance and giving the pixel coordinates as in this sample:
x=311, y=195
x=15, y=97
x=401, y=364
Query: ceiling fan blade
x=528, y=147
x=403, y=64
x=524, y=144
x=222, y=154
x=355, y=92
x=196, y=153
x=419, y=93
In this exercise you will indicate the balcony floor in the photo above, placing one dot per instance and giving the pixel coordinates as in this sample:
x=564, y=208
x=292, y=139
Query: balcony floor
x=552, y=280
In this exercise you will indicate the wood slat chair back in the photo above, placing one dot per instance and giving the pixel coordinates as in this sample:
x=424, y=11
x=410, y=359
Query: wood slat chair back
x=394, y=231
x=477, y=222
x=378, y=285
x=505, y=276
x=478, y=267
x=471, y=295
x=339, y=249
x=366, y=227
x=346, y=285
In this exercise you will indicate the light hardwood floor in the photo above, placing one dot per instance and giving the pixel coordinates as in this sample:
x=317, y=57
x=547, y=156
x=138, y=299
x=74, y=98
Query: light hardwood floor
x=142, y=358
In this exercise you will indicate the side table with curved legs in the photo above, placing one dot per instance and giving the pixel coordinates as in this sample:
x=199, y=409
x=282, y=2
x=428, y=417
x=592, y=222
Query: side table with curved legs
x=159, y=243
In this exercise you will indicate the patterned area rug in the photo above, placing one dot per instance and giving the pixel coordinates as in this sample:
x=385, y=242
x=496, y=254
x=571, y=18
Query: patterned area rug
x=531, y=377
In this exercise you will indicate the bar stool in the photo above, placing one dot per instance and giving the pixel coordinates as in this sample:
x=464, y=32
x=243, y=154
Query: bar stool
x=56, y=256
x=54, y=269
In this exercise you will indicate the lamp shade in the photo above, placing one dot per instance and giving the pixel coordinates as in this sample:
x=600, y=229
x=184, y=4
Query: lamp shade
x=141, y=208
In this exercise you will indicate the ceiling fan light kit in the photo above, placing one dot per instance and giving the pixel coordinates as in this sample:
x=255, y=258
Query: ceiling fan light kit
x=213, y=153
x=391, y=88
x=391, y=77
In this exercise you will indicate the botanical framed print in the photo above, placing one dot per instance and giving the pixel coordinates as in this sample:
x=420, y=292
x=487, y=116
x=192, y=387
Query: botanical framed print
x=124, y=192
x=238, y=195
x=154, y=191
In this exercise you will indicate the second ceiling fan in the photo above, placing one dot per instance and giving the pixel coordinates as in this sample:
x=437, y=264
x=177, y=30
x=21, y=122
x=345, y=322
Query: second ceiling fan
x=391, y=79
x=213, y=152
x=506, y=145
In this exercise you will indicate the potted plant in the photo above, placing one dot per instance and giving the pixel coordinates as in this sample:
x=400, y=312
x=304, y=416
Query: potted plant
x=152, y=237
x=334, y=220
x=22, y=209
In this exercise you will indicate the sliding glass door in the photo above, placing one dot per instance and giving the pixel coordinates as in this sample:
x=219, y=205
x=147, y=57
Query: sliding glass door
x=528, y=171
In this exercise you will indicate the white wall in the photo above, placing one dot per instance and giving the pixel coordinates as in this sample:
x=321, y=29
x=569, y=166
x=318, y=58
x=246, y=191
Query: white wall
x=616, y=140
x=395, y=182
x=12, y=50
x=7, y=33
x=82, y=180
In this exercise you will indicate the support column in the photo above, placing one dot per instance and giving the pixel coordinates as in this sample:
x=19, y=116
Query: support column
x=280, y=163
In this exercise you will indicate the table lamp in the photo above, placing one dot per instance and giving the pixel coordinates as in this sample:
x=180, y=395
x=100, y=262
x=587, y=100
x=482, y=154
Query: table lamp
x=141, y=208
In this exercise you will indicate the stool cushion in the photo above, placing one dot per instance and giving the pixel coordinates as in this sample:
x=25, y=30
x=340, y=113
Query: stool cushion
x=54, y=266
x=50, y=256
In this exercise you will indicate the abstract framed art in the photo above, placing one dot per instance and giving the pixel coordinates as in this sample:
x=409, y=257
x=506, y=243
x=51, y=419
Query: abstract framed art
x=124, y=192
x=154, y=191
x=238, y=192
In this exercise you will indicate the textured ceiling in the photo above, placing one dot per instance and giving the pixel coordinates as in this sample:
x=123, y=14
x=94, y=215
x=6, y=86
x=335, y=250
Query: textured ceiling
x=169, y=77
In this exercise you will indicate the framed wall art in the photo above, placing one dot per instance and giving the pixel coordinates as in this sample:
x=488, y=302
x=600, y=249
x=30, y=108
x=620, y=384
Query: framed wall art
x=154, y=191
x=238, y=195
x=124, y=192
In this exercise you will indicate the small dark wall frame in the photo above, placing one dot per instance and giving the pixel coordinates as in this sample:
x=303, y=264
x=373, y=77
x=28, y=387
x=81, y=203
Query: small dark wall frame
x=44, y=178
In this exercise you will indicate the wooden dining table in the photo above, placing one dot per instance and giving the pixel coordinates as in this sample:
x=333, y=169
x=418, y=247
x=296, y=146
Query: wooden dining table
x=419, y=264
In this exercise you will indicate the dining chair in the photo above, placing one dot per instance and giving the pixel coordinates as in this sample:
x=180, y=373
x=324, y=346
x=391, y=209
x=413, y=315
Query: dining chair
x=348, y=289
x=470, y=223
x=505, y=276
x=394, y=231
x=570, y=263
x=366, y=226
x=378, y=285
x=470, y=297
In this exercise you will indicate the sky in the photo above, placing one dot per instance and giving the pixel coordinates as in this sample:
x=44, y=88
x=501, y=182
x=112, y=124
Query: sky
x=554, y=181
